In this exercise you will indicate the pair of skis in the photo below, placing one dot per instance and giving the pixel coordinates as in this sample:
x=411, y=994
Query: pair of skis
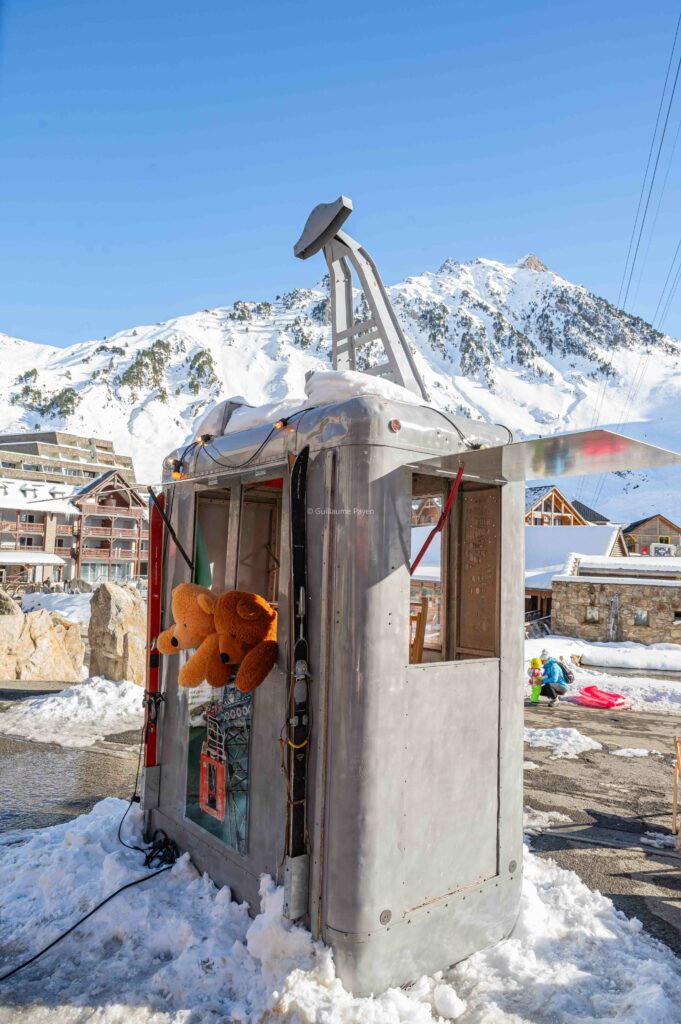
x=298, y=741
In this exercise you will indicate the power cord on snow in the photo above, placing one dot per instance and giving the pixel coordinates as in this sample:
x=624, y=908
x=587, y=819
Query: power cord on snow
x=162, y=850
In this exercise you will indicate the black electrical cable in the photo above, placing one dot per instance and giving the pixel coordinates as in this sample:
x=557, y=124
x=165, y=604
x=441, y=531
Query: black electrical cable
x=466, y=440
x=41, y=952
x=283, y=421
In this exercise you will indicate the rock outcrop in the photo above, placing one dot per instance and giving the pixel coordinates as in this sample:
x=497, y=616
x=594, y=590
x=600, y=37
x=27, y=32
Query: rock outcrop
x=117, y=633
x=8, y=606
x=40, y=646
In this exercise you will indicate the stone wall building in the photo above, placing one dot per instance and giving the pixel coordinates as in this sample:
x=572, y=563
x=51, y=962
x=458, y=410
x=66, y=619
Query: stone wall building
x=613, y=599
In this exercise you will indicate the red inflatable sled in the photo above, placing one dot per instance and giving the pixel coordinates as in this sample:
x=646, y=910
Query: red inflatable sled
x=592, y=697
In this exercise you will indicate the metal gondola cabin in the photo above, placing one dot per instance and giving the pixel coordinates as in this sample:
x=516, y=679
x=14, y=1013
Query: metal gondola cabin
x=377, y=770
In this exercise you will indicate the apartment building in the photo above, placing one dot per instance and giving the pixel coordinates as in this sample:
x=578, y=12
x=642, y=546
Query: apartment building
x=96, y=531
x=52, y=456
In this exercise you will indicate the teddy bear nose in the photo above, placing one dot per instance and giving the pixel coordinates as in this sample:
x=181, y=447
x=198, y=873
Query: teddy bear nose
x=174, y=641
x=224, y=658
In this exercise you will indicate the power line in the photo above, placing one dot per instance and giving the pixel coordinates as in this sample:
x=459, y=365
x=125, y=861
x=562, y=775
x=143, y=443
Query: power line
x=621, y=301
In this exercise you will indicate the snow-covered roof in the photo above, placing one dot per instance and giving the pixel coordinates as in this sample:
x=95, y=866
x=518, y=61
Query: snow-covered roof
x=550, y=550
x=634, y=581
x=632, y=566
x=535, y=494
x=27, y=557
x=550, y=545
x=36, y=496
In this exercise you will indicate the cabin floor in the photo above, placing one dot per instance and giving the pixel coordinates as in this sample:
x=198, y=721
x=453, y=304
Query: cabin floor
x=611, y=802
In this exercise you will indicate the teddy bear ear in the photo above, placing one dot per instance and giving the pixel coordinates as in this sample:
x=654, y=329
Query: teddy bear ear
x=251, y=607
x=206, y=603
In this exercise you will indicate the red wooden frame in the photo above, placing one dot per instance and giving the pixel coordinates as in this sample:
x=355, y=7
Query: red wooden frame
x=154, y=609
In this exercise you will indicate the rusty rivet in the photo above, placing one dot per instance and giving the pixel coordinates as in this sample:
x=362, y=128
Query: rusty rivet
x=385, y=917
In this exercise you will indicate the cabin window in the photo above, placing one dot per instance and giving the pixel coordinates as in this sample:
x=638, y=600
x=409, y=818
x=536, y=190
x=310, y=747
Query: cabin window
x=218, y=775
x=591, y=614
x=210, y=539
x=454, y=594
x=665, y=540
x=641, y=617
x=426, y=591
x=677, y=618
x=259, y=549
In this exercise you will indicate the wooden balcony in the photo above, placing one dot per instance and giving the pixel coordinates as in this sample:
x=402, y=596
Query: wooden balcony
x=107, y=531
x=107, y=555
x=66, y=529
x=12, y=526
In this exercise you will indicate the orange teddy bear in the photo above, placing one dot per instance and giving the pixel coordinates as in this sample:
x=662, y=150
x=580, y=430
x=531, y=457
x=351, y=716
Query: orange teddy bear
x=246, y=634
x=194, y=627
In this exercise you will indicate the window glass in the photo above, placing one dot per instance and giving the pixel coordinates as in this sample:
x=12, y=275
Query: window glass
x=426, y=589
x=220, y=720
x=454, y=590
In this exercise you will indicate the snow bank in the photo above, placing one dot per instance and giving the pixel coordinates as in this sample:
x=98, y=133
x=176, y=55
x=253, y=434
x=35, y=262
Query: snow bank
x=75, y=607
x=535, y=821
x=79, y=715
x=633, y=752
x=642, y=693
x=564, y=742
x=653, y=657
x=176, y=950
x=659, y=840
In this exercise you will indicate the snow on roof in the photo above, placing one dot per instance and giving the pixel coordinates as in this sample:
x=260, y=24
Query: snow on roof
x=322, y=388
x=551, y=545
x=637, y=566
x=27, y=557
x=535, y=494
x=624, y=580
x=550, y=550
x=36, y=496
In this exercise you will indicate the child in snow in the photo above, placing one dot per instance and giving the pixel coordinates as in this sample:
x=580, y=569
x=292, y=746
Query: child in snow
x=536, y=679
x=554, y=678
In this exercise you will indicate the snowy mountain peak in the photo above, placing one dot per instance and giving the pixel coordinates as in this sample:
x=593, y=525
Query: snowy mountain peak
x=515, y=343
x=532, y=262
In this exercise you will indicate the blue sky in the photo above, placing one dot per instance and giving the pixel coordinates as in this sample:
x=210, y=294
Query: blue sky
x=161, y=157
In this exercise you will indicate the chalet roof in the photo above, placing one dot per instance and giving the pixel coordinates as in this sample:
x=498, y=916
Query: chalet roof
x=590, y=514
x=112, y=476
x=95, y=484
x=640, y=522
x=535, y=494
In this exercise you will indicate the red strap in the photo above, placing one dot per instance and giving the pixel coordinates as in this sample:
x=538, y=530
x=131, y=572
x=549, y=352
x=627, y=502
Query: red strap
x=440, y=523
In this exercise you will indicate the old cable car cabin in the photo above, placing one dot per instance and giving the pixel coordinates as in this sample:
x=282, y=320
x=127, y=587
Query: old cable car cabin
x=410, y=853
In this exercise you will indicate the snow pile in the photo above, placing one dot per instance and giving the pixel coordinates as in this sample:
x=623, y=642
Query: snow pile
x=176, y=950
x=659, y=840
x=535, y=821
x=529, y=766
x=633, y=752
x=628, y=655
x=79, y=716
x=563, y=742
x=642, y=693
x=75, y=607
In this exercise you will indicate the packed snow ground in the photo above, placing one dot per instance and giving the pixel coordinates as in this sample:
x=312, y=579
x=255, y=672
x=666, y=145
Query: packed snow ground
x=79, y=716
x=562, y=741
x=643, y=692
x=176, y=950
x=75, y=607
